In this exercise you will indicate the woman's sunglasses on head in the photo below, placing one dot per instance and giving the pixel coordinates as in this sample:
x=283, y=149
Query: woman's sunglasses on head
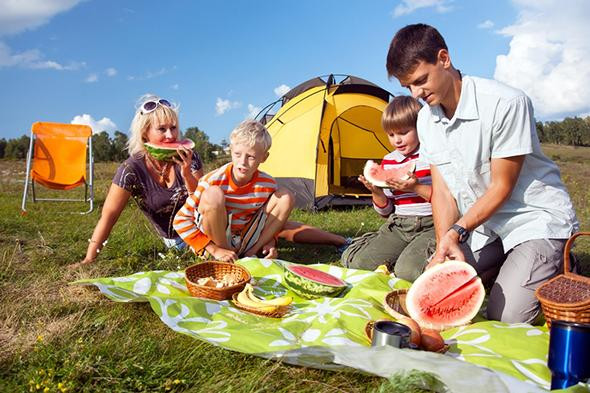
x=151, y=105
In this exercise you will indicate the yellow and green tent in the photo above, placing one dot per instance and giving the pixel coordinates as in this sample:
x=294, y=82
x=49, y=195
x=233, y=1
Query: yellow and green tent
x=323, y=133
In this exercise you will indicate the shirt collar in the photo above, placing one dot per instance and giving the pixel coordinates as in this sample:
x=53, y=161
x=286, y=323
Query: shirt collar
x=399, y=157
x=467, y=106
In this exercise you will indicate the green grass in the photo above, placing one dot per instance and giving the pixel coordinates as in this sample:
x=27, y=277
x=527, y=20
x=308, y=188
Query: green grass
x=71, y=338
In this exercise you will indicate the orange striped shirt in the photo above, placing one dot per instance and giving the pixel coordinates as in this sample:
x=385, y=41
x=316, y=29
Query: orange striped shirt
x=241, y=202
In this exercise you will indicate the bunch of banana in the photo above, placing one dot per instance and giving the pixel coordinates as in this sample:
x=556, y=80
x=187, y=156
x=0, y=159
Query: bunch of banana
x=249, y=299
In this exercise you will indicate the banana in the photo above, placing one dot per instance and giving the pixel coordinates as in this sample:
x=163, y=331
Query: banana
x=279, y=301
x=244, y=299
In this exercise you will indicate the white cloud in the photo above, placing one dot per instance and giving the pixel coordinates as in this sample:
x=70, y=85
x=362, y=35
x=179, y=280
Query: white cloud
x=281, y=90
x=33, y=59
x=91, y=78
x=104, y=124
x=17, y=16
x=409, y=6
x=549, y=55
x=110, y=71
x=252, y=111
x=175, y=86
x=222, y=106
x=486, y=24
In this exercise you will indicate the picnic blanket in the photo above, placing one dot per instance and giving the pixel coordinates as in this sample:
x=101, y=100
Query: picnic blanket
x=330, y=332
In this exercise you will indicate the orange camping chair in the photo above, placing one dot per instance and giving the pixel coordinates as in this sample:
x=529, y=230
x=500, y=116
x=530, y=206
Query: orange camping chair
x=57, y=160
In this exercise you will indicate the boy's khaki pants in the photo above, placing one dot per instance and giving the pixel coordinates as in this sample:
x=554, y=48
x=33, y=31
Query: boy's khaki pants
x=403, y=243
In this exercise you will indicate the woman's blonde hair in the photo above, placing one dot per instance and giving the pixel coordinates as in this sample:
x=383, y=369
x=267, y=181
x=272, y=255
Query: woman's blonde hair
x=141, y=123
x=400, y=113
x=251, y=132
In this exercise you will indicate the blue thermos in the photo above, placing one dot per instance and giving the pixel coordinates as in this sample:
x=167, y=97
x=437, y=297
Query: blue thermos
x=569, y=353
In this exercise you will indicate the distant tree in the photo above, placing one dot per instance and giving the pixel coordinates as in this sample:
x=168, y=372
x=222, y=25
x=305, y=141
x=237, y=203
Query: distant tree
x=541, y=131
x=102, y=148
x=202, y=144
x=2, y=147
x=119, y=147
x=17, y=148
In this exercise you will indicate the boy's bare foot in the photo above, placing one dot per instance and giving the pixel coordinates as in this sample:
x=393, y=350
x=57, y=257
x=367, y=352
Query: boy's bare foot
x=221, y=254
x=269, y=250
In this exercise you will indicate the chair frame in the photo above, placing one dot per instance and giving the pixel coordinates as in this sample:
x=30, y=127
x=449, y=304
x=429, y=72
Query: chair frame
x=88, y=184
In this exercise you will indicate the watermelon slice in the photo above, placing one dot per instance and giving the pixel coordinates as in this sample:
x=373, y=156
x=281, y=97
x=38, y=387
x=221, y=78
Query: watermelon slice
x=378, y=176
x=446, y=295
x=167, y=151
x=311, y=283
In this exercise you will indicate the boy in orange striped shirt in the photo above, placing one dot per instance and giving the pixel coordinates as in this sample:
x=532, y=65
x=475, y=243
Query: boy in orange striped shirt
x=236, y=209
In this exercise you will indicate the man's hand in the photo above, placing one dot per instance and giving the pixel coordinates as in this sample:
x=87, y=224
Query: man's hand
x=447, y=248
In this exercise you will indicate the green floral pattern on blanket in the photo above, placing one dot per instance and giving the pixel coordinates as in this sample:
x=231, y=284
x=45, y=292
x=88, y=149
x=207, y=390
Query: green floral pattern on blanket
x=519, y=350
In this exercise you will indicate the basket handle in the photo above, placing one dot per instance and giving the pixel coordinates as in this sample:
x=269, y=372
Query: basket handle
x=567, y=248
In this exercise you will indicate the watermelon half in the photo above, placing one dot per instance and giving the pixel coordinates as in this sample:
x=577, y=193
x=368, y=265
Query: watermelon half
x=311, y=283
x=448, y=294
x=167, y=151
x=378, y=176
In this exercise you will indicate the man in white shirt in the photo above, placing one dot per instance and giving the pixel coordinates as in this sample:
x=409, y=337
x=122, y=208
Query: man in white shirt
x=493, y=188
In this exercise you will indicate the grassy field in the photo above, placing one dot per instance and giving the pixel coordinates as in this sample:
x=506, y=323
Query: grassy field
x=55, y=337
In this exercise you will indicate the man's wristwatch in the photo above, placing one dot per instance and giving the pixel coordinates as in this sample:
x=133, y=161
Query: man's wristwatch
x=463, y=233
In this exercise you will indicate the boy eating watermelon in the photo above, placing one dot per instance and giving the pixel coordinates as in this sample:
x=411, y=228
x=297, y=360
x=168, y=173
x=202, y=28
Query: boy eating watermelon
x=239, y=211
x=406, y=240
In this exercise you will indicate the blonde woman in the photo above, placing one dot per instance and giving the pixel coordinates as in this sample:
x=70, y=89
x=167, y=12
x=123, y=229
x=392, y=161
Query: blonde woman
x=160, y=188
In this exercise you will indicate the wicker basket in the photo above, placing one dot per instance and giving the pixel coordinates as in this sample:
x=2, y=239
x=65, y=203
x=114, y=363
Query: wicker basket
x=279, y=312
x=395, y=303
x=216, y=270
x=567, y=296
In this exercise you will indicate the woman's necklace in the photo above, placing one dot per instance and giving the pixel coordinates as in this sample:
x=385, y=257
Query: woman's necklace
x=162, y=171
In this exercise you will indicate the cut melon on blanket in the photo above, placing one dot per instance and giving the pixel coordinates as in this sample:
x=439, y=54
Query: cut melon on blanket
x=446, y=295
x=311, y=283
x=165, y=151
x=378, y=176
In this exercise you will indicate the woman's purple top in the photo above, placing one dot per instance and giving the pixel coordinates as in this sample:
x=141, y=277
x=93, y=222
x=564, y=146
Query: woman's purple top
x=158, y=203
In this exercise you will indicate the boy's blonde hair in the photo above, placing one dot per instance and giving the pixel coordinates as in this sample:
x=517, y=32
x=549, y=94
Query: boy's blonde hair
x=251, y=132
x=142, y=122
x=401, y=113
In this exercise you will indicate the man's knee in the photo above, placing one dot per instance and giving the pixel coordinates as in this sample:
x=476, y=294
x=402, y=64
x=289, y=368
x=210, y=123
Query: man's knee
x=520, y=308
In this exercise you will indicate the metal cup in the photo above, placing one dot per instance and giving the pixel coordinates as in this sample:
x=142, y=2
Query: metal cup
x=569, y=353
x=390, y=333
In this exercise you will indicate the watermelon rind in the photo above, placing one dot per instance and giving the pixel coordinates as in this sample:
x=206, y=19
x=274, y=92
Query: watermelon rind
x=423, y=281
x=163, y=153
x=308, y=288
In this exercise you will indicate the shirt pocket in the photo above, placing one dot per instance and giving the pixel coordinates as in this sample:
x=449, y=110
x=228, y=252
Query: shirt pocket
x=478, y=179
x=443, y=163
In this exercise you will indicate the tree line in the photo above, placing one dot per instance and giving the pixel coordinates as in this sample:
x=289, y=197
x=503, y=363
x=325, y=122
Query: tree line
x=114, y=148
x=573, y=131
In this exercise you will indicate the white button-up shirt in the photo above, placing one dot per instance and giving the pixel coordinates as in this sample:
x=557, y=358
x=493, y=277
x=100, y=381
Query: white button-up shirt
x=493, y=120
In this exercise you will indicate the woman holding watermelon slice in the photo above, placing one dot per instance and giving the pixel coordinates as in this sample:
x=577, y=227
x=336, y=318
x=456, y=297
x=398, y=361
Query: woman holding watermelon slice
x=159, y=174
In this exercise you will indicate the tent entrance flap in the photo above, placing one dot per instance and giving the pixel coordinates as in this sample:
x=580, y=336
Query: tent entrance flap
x=356, y=135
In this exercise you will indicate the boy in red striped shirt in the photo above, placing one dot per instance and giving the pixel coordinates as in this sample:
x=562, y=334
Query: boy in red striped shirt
x=406, y=241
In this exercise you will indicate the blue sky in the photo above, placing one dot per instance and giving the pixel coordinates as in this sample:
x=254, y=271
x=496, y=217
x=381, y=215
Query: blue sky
x=88, y=61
